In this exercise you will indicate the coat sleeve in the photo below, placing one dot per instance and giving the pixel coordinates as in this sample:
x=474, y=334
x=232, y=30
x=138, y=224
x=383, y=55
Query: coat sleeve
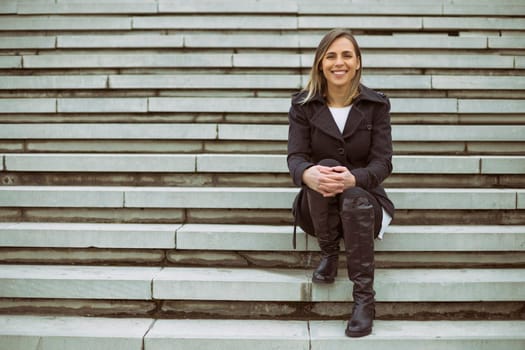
x=299, y=148
x=379, y=162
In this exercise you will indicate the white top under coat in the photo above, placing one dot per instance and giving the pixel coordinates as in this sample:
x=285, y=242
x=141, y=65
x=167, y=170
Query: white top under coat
x=340, y=115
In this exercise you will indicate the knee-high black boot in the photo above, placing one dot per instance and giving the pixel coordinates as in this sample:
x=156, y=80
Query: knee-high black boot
x=325, y=218
x=357, y=216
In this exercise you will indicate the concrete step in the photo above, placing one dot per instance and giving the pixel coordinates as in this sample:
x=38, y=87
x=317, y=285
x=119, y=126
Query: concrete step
x=126, y=144
x=216, y=237
x=473, y=23
x=72, y=333
x=444, y=61
x=435, y=335
x=230, y=81
x=258, y=41
x=86, y=235
x=252, y=40
x=77, y=282
x=259, y=81
x=28, y=42
x=505, y=178
x=397, y=238
x=242, y=132
x=102, y=22
x=8, y=7
x=241, y=163
x=398, y=7
x=311, y=40
x=460, y=82
x=154, y=6
x=242, y=197
x=261, y=60
x=83, y=333
x=11, y=62
x=506, y=42
x=252, y=21
x=431, y=285
x=435, y=8
x=93, y=7
x=58, y=22
x=326, y=22
x=254, y=284
x=246, y=105
x=485, y=7
x=220, y=245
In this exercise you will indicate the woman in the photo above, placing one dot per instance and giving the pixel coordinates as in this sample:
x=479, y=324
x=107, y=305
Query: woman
x=340, y=151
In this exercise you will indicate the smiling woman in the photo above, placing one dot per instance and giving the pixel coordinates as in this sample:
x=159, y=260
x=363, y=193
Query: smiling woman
x=336, y=68
x=339, y=152
x=340, y=65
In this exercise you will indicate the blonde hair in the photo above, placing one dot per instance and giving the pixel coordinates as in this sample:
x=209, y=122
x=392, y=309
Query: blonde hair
x=317, y=81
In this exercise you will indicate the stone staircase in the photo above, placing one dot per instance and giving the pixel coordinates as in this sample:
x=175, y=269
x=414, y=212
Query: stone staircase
x=145, y=199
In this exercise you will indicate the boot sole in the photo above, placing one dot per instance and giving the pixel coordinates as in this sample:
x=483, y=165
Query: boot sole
x=323, y=281
x=358, y=334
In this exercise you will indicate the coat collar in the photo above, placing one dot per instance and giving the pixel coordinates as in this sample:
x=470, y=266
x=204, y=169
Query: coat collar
x=365, y=93
x=322, y=118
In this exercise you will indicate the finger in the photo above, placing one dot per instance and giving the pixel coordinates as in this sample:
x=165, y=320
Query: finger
x=333, y=178
x=332, y=188
x=325, y=170
x=339, y=169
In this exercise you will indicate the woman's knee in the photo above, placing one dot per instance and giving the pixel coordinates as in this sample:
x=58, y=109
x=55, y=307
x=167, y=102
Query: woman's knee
x=355, y=198
x=329, y=162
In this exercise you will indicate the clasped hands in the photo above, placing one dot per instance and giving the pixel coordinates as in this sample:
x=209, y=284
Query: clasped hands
x=328, y=181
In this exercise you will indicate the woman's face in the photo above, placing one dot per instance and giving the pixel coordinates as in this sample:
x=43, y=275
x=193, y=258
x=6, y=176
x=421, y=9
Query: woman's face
x=340, y=63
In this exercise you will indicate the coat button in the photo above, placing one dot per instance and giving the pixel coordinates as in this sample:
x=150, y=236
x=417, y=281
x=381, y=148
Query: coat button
x=341, y=151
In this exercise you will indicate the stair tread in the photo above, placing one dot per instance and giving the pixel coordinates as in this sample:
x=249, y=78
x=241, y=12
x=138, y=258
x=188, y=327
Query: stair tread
x=243, y=163
x=244, y=197
x=250, y=284
x=231, y=237
x=79, y=333
x=79, y=235
x=213, y=81
x=248, y=132
x=18, y=332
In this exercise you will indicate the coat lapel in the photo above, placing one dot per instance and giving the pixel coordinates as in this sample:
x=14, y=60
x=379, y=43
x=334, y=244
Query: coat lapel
x=323, y=120
x=353, y=121
x=356, y=114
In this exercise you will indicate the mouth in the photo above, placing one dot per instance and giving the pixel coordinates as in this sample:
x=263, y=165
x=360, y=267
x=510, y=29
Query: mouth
x=339, y=73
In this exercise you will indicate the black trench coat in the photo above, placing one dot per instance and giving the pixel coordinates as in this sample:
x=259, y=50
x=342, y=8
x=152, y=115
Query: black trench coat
x=364, y=147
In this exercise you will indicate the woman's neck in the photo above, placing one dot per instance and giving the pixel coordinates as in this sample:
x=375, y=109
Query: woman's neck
x=337, y=97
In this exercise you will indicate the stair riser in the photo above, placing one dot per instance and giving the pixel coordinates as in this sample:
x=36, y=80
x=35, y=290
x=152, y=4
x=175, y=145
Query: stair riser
x=264, y=147
x=245, y=180
x=262, y=310
x=268, y=259
x=247, y=216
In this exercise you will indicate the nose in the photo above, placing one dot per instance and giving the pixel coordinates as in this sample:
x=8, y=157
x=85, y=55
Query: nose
x=339, y=60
